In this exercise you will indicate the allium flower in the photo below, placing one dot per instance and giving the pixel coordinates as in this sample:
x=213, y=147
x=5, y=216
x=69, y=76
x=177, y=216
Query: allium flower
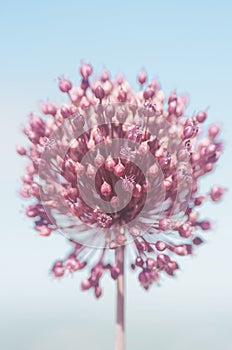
x=115, y=168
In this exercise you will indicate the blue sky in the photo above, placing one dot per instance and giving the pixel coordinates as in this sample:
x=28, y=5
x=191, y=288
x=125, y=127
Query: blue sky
x=187, y=45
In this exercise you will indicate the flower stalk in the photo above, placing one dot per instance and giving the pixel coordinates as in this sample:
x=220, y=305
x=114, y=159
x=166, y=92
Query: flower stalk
x=120, y=320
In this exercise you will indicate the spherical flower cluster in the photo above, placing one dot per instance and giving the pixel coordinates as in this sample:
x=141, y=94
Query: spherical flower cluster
x=114, y=167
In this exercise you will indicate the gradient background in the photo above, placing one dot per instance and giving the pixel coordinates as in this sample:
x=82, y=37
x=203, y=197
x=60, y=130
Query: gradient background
x=187, y=45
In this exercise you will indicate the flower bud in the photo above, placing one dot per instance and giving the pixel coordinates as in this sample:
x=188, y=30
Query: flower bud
x=115, y=272
x=110, y=163
x=139, y=261
x=85, y=285
x=205, y=225
x=119, y=169
x=99, y=92
x=64, y=85
x=197, y=241
x=201, y=117
x=160, y=246
x=21, y=150
x=106, y=189
x=58, y=269
x=142, y=77
x=164, y=224
x=216, y=193
x=150, y=263
x=213, y=131
x=86, y=70
x=148, y=93
x=105, y=75
x=121, y=114
x=98, y=291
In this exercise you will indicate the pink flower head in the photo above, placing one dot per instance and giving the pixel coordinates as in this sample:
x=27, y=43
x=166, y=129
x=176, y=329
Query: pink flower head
x=116, y=167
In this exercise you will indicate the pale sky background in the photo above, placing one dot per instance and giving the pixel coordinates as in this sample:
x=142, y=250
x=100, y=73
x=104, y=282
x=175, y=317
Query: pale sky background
x=186, y=44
